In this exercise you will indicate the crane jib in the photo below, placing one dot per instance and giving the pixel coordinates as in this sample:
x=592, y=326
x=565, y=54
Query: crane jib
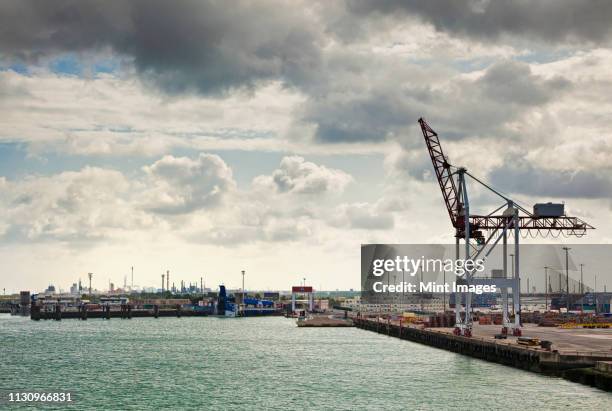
x=451, y=195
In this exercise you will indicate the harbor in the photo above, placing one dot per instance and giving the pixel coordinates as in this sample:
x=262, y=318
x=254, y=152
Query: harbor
x=573, y=345
x=576, y=347
x=181, y=362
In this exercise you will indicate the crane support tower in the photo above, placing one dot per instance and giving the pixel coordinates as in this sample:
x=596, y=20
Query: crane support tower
x=482, y=232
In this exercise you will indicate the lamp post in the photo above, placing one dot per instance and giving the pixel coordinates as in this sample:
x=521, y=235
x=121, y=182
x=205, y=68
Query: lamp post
x=242, y=286
x=581, y=280
x=388, y=282
x=403, y=293
x=567, y=302
x=444, y=295
x=581, y=289
x=512, y=261
x=545, y=288
x=595, y=292
x=395, y=294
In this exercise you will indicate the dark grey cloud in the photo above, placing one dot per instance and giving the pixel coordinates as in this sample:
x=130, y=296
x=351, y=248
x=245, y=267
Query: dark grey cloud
x=553, y=21
x=519, y=176
x=513, y=82
x=385, y=103
x=213, y=47
x=186, y=45
x=374, y=115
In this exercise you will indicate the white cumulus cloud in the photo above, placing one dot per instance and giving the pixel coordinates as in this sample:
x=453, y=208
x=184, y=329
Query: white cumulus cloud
x=181, y=184
x=298, y=176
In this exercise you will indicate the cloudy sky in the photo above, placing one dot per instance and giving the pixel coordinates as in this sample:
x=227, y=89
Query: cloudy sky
x=207, y=137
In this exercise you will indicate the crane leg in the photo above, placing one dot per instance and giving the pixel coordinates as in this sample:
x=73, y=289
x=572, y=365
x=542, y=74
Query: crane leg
x=458, y=323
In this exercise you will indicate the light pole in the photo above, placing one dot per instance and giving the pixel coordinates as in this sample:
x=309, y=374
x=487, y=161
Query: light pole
x=421, y=295
x=388, y=282
x=545, y=288
x=403, y=293
x=595, y=292
x=242, y=286
x=444, y=294
x=581, y=279
x=395, y=294
x=567, y=302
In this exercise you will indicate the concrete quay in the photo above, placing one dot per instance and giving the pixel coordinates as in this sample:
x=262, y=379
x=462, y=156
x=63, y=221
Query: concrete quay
x=578, y=366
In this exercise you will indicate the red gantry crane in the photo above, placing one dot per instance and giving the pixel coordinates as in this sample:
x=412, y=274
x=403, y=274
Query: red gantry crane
x=488, y=230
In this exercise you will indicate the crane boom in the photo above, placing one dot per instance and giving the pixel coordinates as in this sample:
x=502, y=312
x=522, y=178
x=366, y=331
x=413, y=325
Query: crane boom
x=568, y=225
x=443, y=171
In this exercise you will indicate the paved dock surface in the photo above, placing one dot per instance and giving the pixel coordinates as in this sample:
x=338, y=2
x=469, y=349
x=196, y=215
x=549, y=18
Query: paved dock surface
x=575, y=339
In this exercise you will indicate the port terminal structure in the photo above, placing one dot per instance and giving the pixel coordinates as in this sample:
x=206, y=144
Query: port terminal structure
x=481, y=233
x=302, y=290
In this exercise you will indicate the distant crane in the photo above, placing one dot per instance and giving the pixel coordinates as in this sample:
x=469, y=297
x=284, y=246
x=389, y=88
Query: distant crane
x=484, y=229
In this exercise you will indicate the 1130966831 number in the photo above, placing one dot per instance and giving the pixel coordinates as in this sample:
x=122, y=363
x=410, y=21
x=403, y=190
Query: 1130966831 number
x=24, y=396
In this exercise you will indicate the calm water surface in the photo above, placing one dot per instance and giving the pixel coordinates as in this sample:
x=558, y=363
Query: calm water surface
x=206, y=363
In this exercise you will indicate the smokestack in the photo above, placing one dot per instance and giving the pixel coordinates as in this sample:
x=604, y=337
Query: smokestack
x=201, y=285
x=162, y=283
x=168, y=279
x=132, y=286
